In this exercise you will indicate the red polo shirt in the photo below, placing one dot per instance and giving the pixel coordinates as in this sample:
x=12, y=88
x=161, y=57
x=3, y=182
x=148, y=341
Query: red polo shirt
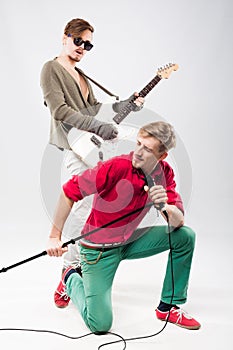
x=118, y=189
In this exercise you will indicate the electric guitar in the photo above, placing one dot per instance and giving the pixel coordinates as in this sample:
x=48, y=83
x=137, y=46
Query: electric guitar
x=91, y=148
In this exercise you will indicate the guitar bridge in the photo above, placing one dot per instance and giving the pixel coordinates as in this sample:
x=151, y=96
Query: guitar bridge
x=95, y=141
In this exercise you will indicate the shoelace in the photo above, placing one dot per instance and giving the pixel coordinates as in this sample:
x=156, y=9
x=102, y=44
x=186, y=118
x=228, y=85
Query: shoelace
x=180, y=313
x=63, y=295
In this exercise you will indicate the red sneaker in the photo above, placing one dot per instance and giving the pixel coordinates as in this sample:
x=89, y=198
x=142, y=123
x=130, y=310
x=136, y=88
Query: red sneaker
x=61, y=299
x=178, y=317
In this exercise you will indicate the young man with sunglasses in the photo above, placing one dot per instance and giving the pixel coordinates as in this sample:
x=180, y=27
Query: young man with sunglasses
x=120, y=186
x=71, y=101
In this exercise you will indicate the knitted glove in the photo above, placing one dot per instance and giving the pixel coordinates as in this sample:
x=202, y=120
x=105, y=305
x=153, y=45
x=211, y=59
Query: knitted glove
x=117, y=106
x=105, y=130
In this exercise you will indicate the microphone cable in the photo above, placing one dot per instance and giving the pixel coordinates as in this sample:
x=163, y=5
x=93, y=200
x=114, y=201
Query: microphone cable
x=171, y=300
x=72, y=241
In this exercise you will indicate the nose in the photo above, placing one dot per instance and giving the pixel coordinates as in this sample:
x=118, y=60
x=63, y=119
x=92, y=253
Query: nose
x=139, y=149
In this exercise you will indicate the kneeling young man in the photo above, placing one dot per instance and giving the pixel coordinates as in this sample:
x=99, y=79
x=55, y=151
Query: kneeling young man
x=120, y=186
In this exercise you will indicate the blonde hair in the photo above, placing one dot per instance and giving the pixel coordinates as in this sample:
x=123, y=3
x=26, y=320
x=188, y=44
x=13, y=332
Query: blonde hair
x=162, y=131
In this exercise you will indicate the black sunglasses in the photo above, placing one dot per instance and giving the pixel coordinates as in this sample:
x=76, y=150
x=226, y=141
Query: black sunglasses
x=79, y=41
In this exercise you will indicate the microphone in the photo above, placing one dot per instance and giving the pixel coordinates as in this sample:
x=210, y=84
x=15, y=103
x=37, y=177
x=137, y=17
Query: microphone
x=161, y=206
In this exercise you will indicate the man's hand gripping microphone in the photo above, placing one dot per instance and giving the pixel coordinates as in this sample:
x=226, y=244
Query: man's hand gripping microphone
x=158, y=206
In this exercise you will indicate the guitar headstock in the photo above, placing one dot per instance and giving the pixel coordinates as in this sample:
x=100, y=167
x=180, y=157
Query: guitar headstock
x=165, y=71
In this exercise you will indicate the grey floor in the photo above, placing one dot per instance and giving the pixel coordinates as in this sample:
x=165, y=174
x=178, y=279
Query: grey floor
x=27, y=299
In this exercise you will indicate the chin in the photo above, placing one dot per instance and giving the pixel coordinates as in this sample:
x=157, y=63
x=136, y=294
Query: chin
x=135, y=164
x=75, y=58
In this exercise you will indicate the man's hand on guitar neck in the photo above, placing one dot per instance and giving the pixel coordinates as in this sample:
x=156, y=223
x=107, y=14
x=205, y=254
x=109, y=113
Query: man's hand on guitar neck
x=139, y=101
x=136, y=100
x=108, y=131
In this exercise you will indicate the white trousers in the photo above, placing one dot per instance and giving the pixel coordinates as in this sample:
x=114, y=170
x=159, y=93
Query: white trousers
x=79, y=214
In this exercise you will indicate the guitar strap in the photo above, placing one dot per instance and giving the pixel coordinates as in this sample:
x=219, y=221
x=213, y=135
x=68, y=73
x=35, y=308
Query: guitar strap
x=98, y=84
x=94, y=82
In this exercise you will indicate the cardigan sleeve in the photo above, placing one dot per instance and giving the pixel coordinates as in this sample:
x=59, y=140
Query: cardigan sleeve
x=56, y=95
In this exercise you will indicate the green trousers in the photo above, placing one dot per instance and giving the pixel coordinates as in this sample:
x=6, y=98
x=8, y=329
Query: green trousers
x=91, y=294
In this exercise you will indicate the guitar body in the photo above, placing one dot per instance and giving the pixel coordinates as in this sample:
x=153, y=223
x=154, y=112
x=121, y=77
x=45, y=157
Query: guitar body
x=91, y=148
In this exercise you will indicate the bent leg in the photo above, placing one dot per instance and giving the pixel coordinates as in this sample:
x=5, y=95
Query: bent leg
x=92, y=293
x=156, y=240
x=73, y=229
x=79, y=214
x=183, y=242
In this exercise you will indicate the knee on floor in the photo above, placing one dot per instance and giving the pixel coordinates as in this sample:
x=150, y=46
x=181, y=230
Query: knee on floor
x=101, y=327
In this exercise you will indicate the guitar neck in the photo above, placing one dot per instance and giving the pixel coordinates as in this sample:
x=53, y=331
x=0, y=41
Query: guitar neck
x=130, y=106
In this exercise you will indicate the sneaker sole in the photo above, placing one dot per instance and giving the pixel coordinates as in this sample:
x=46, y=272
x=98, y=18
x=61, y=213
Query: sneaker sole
x=194, y=328
x=60, y=306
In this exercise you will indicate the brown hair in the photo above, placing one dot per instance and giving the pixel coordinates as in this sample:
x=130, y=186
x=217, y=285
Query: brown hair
x=76, y=26
x=163, y=132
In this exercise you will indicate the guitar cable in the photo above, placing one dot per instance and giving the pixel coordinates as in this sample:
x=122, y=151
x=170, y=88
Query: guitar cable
x=122, y=339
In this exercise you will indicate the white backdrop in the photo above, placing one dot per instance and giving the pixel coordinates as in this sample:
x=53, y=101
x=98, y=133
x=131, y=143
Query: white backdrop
x=132, y=39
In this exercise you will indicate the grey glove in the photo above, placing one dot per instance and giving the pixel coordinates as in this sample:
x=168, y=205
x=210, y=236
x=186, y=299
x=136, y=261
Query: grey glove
x=105, y=130
x=117, y=106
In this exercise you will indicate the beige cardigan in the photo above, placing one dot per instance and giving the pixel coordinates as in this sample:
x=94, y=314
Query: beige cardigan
x=67, y=106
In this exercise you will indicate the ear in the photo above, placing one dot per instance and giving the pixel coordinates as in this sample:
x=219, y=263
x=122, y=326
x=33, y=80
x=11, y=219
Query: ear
x=64, y=38
x=163, y=156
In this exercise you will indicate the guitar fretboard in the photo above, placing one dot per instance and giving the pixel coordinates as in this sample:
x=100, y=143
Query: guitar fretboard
x=130, y=106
